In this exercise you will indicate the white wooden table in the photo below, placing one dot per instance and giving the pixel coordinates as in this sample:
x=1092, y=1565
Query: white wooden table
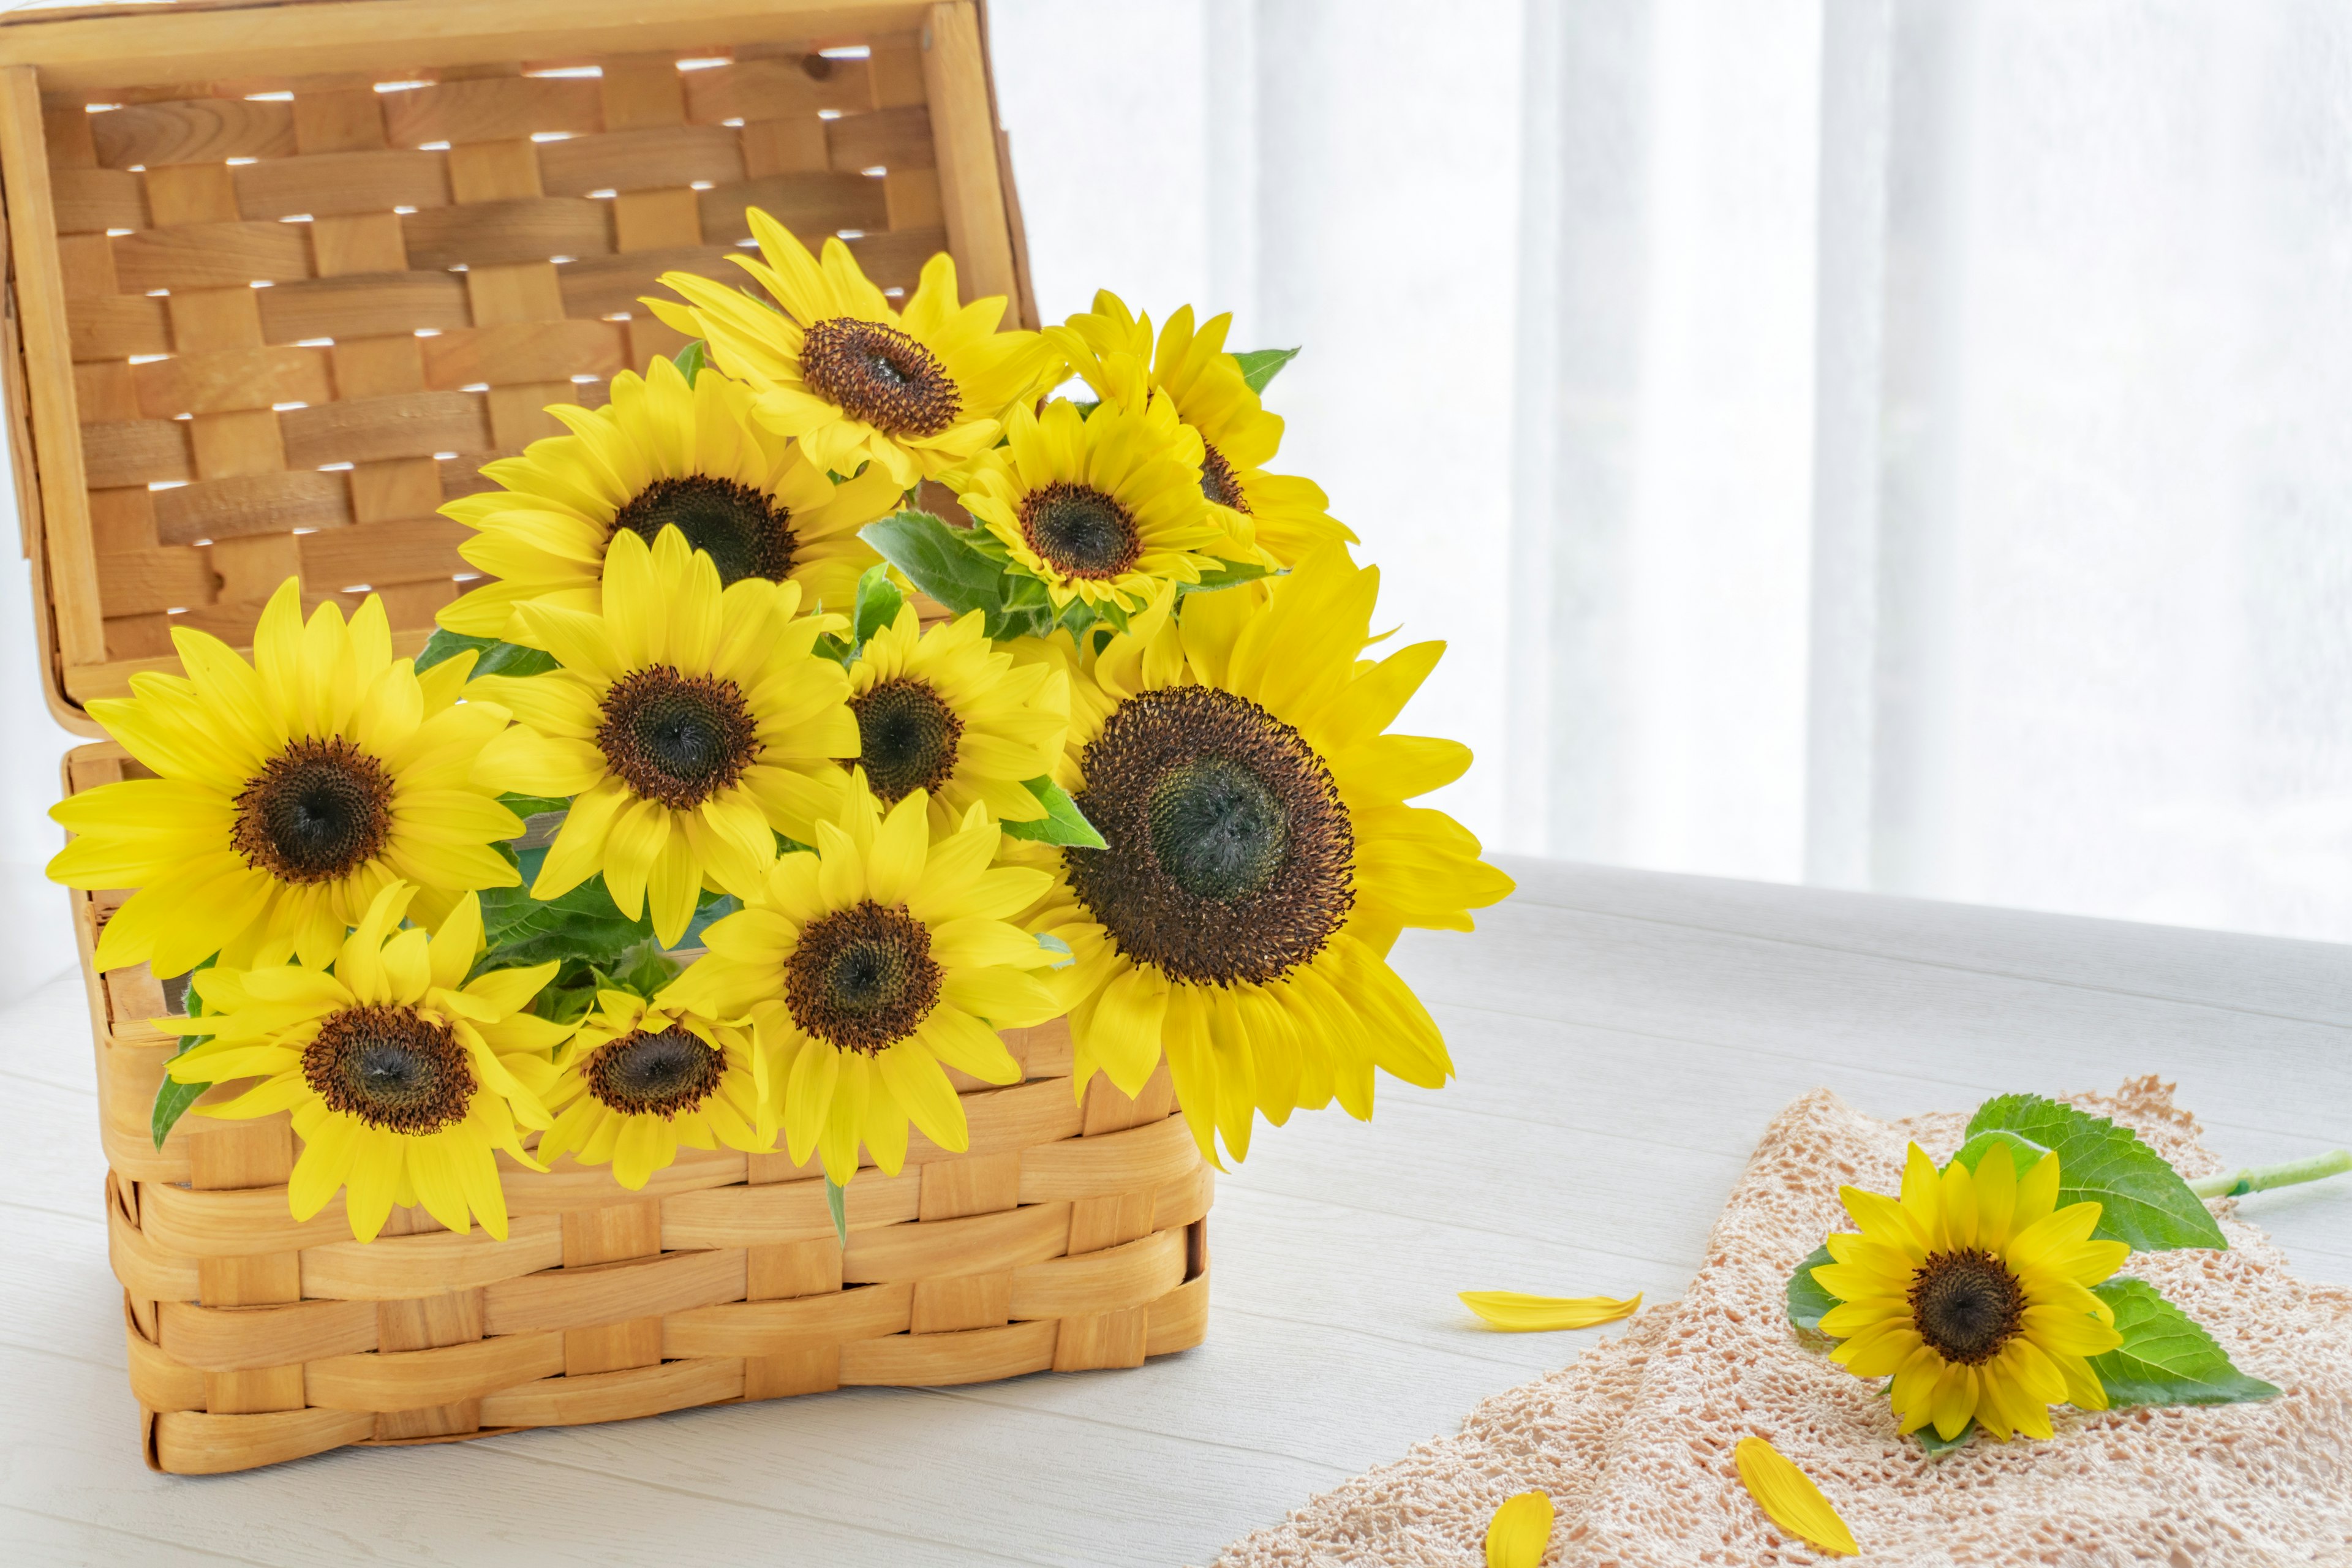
x=1622, y=1038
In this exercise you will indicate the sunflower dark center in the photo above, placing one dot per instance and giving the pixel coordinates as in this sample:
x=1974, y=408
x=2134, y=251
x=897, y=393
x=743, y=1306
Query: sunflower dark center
x=677, y=739
x=664, y=1074
x=862, y=978
x=1218, y=480
x=396, y=1070
x=879, y=374
x=1078, y=531
x=1231, y=859
x=743, y=531
x=1966, y=1304
x=317, y=811
x=907, y=737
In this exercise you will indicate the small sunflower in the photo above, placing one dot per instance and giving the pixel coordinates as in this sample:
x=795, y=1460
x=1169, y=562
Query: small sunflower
x=288, y=793
x=851, y=379
x=1287, y=517
x=1262, y=859
x=1972, y=1293
x=639, y=1079
x=661, y=453
x=945, y=713
x=692, y=722
x=867, y=963
x=403, y=1077
x=1101, y=508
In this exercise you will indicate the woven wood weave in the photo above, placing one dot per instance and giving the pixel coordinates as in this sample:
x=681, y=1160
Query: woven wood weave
x=1069, y=1236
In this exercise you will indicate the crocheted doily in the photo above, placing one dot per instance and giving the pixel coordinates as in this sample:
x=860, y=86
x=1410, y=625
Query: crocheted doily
x=1634, y=1441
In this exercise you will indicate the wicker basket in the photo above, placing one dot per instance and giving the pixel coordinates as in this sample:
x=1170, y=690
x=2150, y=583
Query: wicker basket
x=266, y=315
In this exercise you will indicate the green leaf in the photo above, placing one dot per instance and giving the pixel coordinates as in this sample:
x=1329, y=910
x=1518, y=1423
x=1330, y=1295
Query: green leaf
x=1231, y=572
x=529, y=805
x=939, y=560
x=1934, y=1443
x=2166, y=1358
x=879, y=601
x=1260, y=366
x=582, y=924
x=1808, y=1302
x=1052, y=943
x=690, y=360
x=837, y=1199
x=1062, y=823
x=172, y=1099
x=2142, y=1200
x=491, y=657
x=445, y=644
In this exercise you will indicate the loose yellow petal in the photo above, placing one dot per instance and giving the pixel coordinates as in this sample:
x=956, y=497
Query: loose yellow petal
x=1514, y=1313
x=1789, y=1497
x=1519, y=1533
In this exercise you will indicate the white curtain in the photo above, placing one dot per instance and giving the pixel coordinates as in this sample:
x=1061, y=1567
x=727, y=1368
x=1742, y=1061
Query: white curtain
x=1894, y=444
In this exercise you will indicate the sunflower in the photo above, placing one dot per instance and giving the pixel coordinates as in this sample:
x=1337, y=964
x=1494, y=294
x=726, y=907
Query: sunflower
x=1973, y=1292
x=1262, y=859
x=868, y=963
x=1101, y=508
x=639, y=1079
x=288, y=793
x=661, y=453
x=1287, y=517
x=945, y=712
x=834, y=366
x=693, y=724
x=402, y=1076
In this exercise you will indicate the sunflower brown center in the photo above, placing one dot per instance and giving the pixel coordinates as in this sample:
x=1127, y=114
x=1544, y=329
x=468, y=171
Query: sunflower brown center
x=907, y=737
x=743, y=531
x=663, y=1073
x=677, y=739
x=1218, y=480
x=396, y=1070
x=1231, y=859
x=1078, y=531
x=879, y=374
x=1966, y=1304
x=862, y=978
x=317, y=811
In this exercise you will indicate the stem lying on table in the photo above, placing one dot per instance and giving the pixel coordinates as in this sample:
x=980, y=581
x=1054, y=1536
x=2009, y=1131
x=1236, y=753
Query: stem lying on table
x=2257, y=1178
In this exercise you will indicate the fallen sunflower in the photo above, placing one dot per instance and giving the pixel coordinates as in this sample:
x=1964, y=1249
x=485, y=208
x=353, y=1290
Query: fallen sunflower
x=1102, y=508
x=868, y=963
x=693, y=724
x=945, y=713
x=661, y=453
x=1287, y=517
x=403, y=1077
x=833, y=365
x=640, y=1078
x=1973, y=1292
x=288, y=793
x=1262, y=859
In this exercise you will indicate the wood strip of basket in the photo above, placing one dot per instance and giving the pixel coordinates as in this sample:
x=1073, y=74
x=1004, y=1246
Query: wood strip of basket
x=299, y=312
x=1071, y=1236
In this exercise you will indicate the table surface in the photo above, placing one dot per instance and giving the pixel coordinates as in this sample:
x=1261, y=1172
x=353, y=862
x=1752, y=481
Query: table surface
x=1622, y=1038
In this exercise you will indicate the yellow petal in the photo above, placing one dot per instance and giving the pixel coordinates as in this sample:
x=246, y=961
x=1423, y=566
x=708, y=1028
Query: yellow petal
x=1519, y=1314
x=1521, y=1531
x=1789, y=1497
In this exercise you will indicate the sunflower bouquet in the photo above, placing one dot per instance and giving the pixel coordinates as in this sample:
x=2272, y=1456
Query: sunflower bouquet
x=744, y=803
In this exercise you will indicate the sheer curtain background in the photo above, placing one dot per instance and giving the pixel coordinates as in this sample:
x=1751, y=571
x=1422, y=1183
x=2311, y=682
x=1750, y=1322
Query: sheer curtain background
x=1880, y=445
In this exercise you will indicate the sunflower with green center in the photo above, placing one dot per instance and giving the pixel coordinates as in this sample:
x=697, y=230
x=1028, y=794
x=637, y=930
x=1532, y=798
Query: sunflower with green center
x=1287, y=517
x=1262, y=856
x=693, y=724
x=945, y=713
x=661, y=453
x=1972, y=1293
x=640, y=1078
x=868, y=963
x=1101, y=508
x=288, y=793
x=403, y=1076
x=851, y=379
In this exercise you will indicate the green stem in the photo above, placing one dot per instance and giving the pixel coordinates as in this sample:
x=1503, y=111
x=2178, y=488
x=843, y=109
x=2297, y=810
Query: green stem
x=2257, y=1178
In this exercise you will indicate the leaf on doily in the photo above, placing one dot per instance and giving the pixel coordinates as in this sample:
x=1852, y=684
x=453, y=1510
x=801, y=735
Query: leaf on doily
x=1790, y=1498
x=1808, y=1301
x=2142, y=1200
x=1935, y=1443
x=1519, y=1533
x=2165, y=1357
